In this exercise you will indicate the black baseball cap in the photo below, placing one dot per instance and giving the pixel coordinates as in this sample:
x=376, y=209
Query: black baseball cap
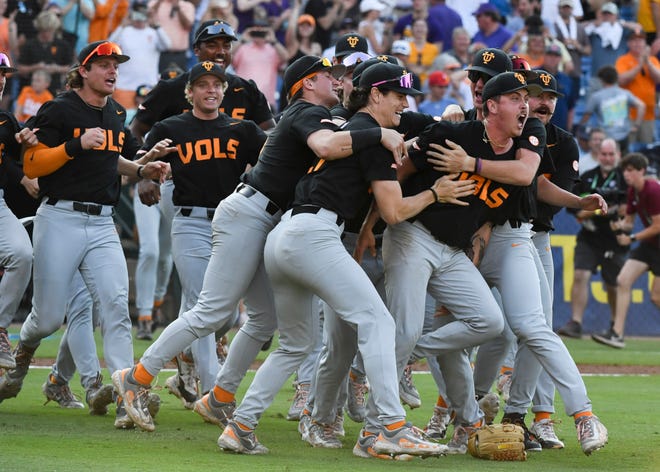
x=99, y=49
x=306, y=66
x=546, y=83
x=389, y=77
x=211, y=29
x=501, y=84
x=362, y=66
x=491, y=61
x=350, y=43
x=206, y=68
x=171, y=71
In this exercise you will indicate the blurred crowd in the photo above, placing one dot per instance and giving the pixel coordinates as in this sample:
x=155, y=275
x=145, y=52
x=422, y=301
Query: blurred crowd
x=587, y=45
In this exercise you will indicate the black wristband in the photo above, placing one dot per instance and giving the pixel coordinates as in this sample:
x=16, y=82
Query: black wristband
x=435, y=194
x=139, y=171
x=73, y=147
x=365, y=138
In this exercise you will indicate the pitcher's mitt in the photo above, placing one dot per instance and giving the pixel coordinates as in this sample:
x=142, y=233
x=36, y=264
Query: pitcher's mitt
x=498, y=442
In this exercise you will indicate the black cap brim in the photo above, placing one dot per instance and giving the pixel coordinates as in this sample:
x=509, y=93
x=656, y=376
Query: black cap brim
x=8, y=70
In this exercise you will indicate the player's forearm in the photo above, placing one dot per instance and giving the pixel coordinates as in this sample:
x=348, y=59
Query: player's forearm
x=41, y=160
x=556, y=196
x=516, y=172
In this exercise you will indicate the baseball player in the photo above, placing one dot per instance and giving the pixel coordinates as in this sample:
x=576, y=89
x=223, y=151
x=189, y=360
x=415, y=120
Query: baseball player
x=213, y=41
x=81, y=135
x=15, y=246
x=511, y=264
x=353, y=310
x=240, y=226
x=563, y=152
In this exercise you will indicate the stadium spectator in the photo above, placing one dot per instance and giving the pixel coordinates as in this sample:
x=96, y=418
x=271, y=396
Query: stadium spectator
x=176, y=17
x=33, y=96
x=108, y=16
x=611, y=107
x=76, y=17
x=47, y=52
x=491, y=32
x=144, y=44
x=639, y=72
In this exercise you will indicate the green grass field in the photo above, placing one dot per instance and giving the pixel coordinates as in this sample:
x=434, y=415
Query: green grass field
x=38, y=437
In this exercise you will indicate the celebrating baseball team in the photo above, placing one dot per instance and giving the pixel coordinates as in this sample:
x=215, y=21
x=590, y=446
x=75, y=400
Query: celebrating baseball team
x=362, y=234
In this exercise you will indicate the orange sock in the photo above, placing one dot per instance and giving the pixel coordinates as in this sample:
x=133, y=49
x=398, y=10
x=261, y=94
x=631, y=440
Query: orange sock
x=222, y=395
x=144, y=318
x=352, y=375
x=582, y=414
x=306, y=412
x=397, y=425
x=158, y=303
x=478, y=424
x=141, y=375
x=243, y=427
x=441, y=402
x=540, y=416
x=505, y=369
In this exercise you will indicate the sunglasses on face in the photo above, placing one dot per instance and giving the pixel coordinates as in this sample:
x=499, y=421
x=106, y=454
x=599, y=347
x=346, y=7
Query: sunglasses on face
x=103, y=49
x=4, y=60
x=218, y=28
x=405, y=81
x=475, y=75
x=355, y=58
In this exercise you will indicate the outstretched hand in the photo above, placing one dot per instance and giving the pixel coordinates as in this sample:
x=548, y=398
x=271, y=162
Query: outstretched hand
x=450, y=190
x=451, y=158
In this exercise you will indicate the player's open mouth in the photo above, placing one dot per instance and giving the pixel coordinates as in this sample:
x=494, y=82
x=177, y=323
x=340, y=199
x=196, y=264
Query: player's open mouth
x=111, y=81
x=521, y=120
x=543, y=110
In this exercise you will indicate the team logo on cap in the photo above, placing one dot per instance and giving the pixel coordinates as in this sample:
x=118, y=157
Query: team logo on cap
x=208, y=65
x=520, y=78
x=546, y=79
x=352, y=41
x=382, y=58
x=487, y=56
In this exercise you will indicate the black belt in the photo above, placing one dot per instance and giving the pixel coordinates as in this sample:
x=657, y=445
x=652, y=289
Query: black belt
x=248, y=192
x=517, y=223
x=210, y=212
x=313, y=210
x=89, y=208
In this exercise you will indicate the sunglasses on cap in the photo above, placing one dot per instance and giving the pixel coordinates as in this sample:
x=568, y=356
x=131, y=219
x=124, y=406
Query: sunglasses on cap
x=405, y=81
x=475, y=75
x=5, y=63
x=103, y=49
x=355, y=58
x=217, y=28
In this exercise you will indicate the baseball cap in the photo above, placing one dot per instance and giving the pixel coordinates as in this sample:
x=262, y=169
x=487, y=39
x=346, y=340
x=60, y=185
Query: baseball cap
x=211, y=29
x=501, y=84
x=389, y=77
x=565, y=3
x=307, y=66
x=491, y=61
x=306, y=19
x=637, y=33
x=206, y=68
x=101, y=49
x=521, y=65
x=368, y=5
x=401, y=46
x=487, y=8
x=610, y=7
x=438, y=79
x=5, y=63
x=544, y=82
x=350, y=43
x=553, y=49
x=171, y=71
x=362, y=66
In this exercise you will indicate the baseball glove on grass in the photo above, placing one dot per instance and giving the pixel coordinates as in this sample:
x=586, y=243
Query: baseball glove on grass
x=498, y=442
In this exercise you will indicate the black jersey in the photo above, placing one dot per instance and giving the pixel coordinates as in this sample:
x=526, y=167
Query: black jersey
x=596, y=231
x=521, y=205
x=285, y=157
x=563, y=151
x=210, y=155
x=452, y=224
x=242, y=100
x=91, y=175
x=10, y=150
x=343, y=185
